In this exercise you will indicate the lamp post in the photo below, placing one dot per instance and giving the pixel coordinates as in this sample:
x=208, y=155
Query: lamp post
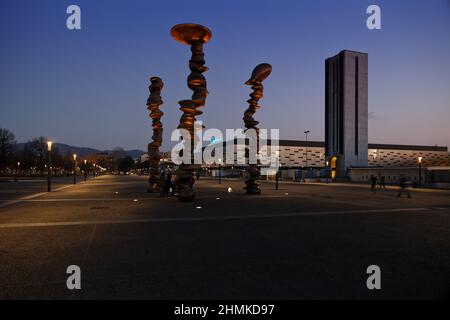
x=326, y=170
x=220, y=175
x=420, y=171
x=93, y=170
x=49, y=166
x=74, y=168
x=85, y=169
x=306, y=161
x=277, y=170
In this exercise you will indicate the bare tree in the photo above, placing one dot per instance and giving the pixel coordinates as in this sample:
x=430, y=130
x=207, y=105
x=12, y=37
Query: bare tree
x=7, y=146
x=27, y=158
x=116, y=155
x=125, y=164
x=39, y=147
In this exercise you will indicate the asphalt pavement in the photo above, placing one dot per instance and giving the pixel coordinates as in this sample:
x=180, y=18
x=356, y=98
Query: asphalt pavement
x=303, y=241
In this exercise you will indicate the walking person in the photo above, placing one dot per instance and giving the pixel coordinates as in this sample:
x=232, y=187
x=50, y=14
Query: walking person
x=373, y=183
x=403, y=187
x=169, y=186
x=162, y=185
x=382, y=182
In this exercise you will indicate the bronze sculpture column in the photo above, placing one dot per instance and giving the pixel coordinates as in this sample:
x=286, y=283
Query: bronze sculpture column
x=196, y=36
x=153, y=103
x=259, y=74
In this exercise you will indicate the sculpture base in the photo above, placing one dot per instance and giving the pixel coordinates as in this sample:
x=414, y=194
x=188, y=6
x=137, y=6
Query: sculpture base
x=184, y=182
x=186, y=194
x=153, y=187
x=252, y=187
x=253, y=174
x=253, y=191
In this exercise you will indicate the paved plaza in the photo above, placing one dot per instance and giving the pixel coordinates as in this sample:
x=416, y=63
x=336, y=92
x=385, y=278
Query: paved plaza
x=304, y=241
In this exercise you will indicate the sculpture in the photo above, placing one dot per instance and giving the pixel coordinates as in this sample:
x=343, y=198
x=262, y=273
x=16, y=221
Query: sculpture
x=259, y=74
x=196, y=36
x=153, y=103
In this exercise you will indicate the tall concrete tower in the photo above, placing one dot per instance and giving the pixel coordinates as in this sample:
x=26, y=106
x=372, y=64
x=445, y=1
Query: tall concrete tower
x=346, y=111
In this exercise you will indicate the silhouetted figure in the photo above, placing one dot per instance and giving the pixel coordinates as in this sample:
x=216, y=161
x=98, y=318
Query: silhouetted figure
x=162, y=185
x=149, y=185
x=382, y=182
x=415, y=184
x=169, y=185
x=198, y=175
x=403, y=187
x=373, y=183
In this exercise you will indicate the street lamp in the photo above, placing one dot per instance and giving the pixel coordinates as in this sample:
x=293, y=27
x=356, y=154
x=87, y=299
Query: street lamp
x=93, y=170
x=85, y=170
x=74, y=168
x=326, y=170
x=420, y=171
x=306, y=161
x=220, y=175
x=49, y=166
x=277, y=170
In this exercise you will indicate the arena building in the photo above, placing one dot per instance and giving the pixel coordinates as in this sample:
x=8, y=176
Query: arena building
x=346, y=154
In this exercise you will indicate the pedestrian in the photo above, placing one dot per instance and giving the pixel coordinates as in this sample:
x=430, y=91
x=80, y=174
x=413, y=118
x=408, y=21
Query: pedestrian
x=169, y=187
x=162, y=185
x=373, y=183
x=403, y=188
x=382, y=182
x=198, y=174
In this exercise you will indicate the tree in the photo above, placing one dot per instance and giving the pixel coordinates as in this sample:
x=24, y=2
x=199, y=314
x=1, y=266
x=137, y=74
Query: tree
x=68, y=162
x=125, y=164
x=117, y=154
x=27, y=158
x=7, y=147
x=57, y=160
x=104, y=162
x=39, y=147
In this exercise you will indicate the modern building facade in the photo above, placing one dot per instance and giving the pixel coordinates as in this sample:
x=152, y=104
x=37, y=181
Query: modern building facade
x=346, y=111
x=306, y=159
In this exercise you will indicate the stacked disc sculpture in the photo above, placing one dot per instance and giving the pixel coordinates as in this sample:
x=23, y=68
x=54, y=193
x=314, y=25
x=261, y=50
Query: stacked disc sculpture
x=153, y=103
x=196, y=36
x=259, y=74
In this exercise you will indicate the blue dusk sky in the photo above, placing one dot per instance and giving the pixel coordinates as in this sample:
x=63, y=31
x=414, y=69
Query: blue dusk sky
x=88, y=87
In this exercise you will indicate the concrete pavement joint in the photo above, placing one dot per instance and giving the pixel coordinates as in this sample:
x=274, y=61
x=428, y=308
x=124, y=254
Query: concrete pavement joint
x=205, y=218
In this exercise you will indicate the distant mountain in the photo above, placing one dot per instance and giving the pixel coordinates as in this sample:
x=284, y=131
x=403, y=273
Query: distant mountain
x=84, y=151
x=135, y=153
x=81, y=151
